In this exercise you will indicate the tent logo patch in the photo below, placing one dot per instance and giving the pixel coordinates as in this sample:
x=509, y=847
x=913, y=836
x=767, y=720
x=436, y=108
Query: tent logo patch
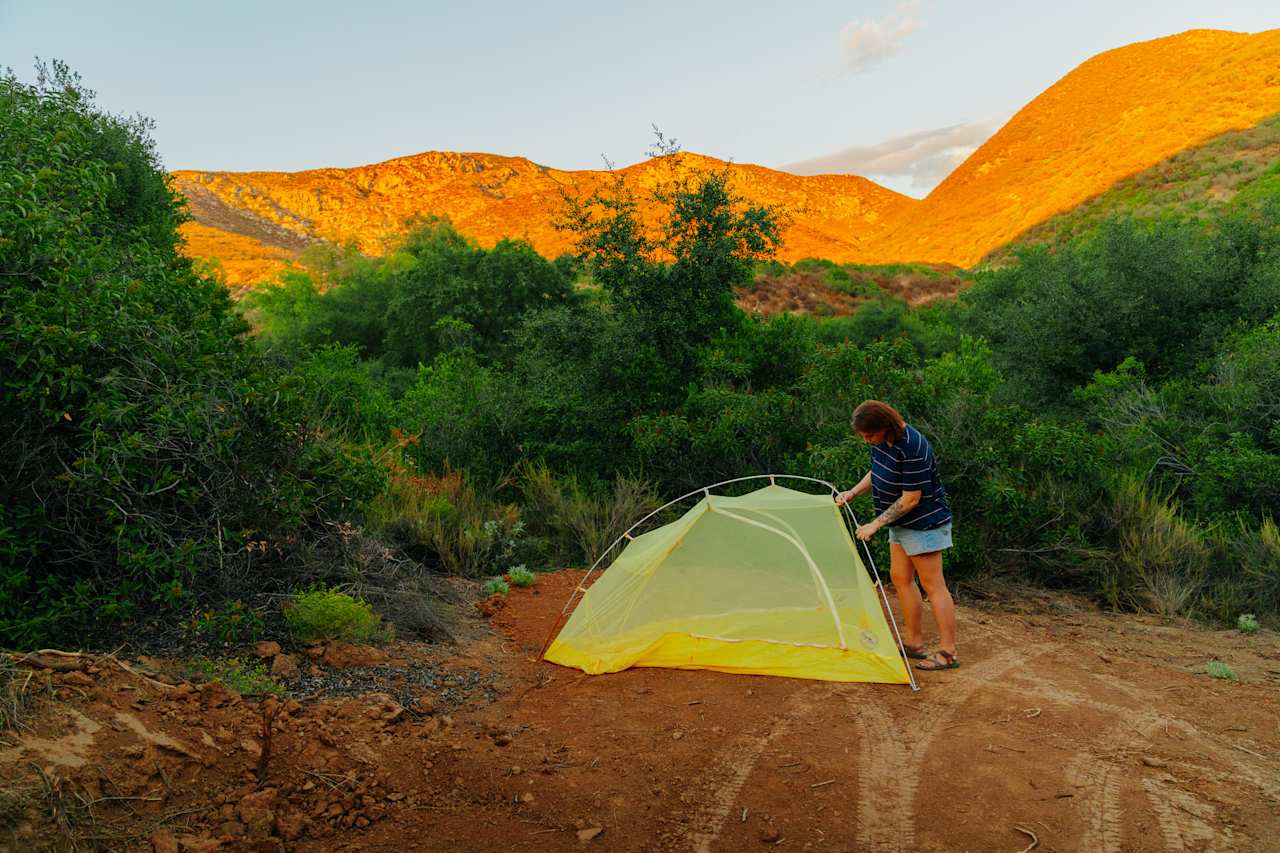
x=868, y=639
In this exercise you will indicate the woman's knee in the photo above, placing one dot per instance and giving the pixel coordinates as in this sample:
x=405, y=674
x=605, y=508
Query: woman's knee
x=929, y=568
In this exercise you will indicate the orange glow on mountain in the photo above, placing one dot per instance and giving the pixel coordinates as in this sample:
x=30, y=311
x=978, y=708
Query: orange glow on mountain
x=1116, y=114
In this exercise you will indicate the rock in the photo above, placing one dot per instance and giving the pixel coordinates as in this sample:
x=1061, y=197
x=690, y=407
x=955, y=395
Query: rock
x=770, y=835
x=285, y=668
x=257, y=812
x=267, y=649
x=315, y=652
x=235, y=829
x=252, y=747
x=291, y=824
x=197, y=844
x=215, y=694
x=164, y=842
x=362, y=821
x=425, y=705
x=589, y=833
x=1152, y=762
x=344, y=655
x=502, y=740
x=526, y=797
x=677, y=734
x=77, y=678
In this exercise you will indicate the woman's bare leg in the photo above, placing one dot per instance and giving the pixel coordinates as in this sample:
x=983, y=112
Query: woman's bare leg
x=903, y=574
x=929, y=568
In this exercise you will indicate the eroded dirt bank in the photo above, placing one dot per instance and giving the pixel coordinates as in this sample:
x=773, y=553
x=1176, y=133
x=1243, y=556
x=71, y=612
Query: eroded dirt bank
x=1085, y=731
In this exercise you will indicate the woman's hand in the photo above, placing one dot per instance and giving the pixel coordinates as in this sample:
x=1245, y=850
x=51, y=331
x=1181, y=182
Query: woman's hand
x=866, y=531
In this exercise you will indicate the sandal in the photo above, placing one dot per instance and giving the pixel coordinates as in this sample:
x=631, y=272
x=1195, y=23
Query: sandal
x=915, y=652
x=941, y=659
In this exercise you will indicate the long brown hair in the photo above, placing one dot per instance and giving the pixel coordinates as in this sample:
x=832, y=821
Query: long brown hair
x=872, y=416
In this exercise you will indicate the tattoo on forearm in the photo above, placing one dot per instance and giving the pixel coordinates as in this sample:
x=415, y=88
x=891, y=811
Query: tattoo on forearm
x=893, y=513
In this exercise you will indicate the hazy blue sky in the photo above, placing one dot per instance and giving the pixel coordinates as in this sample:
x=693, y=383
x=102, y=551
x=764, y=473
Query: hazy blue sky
x=910, y=87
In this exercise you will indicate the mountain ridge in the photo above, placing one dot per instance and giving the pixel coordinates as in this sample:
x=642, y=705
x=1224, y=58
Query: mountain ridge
x=1109, y=118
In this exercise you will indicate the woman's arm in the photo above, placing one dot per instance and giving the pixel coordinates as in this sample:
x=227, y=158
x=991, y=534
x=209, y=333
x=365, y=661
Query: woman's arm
x=864, y=486
x=896, y=510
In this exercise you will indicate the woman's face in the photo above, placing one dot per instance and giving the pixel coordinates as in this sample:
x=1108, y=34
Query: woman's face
x=872, y=437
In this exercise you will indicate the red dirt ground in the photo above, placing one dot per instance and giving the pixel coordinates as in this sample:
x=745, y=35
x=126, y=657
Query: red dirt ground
x=1091, y=731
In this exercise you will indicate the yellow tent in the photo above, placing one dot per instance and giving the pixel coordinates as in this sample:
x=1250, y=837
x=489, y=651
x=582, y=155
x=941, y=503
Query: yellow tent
x=768, y=583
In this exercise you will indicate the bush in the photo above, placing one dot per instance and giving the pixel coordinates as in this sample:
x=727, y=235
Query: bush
x=1247, y=623
x=444, y=522
x=522, y=577
x=496, y=586
x=144, y=442
x=328, y=614
x=580, y=522
x=234, y=624
x=249, y=678
x=1218, y=669
x=1163, y=558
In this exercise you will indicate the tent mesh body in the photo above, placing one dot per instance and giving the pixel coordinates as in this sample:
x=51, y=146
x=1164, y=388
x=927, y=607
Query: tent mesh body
x=768, y=583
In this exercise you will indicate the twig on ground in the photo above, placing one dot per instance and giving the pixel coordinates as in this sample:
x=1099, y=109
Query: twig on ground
x=744, y=816
x=1250, y=751
x=820, y=784
x=792, y=764
x=1035, y=839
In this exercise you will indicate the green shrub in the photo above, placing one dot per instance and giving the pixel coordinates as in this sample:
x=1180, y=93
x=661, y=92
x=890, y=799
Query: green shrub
x=231, y=625
x=579, y=521
x=522, y=577
x=1166, y=556
x=250, y=678
x=328, y=614
x=496, y=586
x=1218, y=669
x=443, y=521
x=1247, y=623
x=145, y=443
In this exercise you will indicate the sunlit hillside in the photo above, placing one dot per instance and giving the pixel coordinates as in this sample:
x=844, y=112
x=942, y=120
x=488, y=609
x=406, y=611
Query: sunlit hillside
x=490, y=197
x=1239, y=168
x=1112, y=117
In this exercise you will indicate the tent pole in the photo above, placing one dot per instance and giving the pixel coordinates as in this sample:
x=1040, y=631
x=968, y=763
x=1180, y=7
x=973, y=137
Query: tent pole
x=880, y=586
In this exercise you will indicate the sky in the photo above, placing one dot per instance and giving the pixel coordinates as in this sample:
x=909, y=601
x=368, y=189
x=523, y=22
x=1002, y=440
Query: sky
x=898, y=91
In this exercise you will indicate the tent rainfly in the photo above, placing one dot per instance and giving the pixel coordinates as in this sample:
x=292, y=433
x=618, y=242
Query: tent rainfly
x=768, y=582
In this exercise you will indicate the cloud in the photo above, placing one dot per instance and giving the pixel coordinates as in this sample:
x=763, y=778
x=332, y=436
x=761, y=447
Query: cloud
x=864, y=44
x=926, y=157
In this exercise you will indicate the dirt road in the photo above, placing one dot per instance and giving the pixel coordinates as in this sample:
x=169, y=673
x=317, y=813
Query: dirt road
x=1063, y=727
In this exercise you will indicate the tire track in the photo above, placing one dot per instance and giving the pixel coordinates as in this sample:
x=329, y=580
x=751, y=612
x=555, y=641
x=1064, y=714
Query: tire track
x=1185, y=821
x=724, y=781
x=892, y=753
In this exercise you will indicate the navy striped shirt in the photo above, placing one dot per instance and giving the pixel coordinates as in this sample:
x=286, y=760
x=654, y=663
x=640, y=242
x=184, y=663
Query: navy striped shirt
x=908, y=465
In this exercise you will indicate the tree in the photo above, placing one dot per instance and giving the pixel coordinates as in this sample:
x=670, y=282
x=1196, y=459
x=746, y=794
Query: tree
x=671, y=263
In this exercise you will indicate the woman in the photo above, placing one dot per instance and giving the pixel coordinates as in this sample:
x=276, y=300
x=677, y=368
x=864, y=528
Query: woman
x=909, y=497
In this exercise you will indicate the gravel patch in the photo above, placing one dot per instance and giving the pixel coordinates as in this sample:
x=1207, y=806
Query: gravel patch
x=449, y=689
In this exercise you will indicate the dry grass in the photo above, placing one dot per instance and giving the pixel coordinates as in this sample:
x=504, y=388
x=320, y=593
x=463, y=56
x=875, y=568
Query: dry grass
x=1166, y=558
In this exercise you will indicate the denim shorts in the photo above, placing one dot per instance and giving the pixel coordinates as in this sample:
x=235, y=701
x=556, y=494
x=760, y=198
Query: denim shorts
x=921, y=541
